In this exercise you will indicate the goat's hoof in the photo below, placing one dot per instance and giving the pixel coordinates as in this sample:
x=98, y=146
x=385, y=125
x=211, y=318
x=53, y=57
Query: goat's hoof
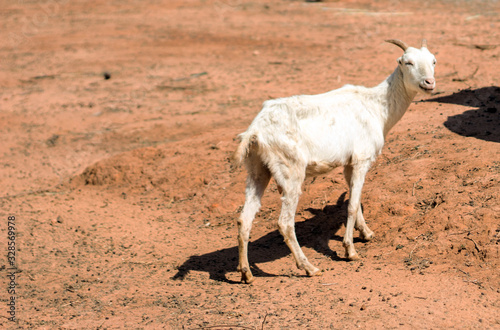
x=247, y=280
x=247, y=277
x=353, y=257
x=314, y=272
x=368, y=237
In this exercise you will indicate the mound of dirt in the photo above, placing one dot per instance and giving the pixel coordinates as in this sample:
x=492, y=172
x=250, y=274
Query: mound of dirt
x=197, y=171
x=124, y=169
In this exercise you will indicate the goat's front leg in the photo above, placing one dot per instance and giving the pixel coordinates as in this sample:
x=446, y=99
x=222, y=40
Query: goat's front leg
x=355, y=175
x=360, y=224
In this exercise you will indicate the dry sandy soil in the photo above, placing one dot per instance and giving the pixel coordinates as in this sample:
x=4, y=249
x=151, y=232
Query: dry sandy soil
x=118, y=120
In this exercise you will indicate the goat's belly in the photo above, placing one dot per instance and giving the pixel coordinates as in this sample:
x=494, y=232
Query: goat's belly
x=317, y=168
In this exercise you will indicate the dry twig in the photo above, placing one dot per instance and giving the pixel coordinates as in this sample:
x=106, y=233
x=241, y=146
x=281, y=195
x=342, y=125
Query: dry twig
x=414, y=186
x=264, y=321
x=475, y=244
x=231, y=326
x=411, y=252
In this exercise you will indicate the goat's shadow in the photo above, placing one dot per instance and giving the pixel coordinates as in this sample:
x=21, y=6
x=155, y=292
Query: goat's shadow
x=484, y=121
x=315, y=233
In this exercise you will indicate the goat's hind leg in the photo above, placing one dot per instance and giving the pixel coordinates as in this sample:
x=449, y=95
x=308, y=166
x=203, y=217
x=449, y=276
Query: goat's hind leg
x=366, y=233
x=257, y=181
x=291, y=193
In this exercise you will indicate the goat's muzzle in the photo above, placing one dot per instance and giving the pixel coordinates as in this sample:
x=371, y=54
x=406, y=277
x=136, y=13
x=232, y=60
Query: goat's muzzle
x=428, y=85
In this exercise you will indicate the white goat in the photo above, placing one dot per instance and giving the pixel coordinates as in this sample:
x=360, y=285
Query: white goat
x=307, y=135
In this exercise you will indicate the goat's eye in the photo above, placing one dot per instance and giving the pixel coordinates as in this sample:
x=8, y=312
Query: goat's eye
x=434, y=62
x=409, y=63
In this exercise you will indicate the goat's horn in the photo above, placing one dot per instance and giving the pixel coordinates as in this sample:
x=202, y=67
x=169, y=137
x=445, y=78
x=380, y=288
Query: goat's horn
x=424, y=43
x=398, y=43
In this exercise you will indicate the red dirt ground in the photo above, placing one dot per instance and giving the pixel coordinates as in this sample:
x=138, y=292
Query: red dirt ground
x=124, y=197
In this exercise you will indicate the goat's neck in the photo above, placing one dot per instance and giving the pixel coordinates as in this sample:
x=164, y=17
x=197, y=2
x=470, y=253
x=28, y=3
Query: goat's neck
x=396, y=99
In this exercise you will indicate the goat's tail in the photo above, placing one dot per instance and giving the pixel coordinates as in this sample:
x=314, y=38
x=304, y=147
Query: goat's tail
x=247, y=142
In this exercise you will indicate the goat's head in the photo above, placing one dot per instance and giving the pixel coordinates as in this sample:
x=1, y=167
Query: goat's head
x=417, y=66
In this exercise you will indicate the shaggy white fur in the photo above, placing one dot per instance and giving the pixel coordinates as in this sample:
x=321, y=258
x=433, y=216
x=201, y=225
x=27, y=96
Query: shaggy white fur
x=307, y=135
